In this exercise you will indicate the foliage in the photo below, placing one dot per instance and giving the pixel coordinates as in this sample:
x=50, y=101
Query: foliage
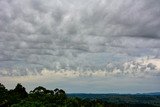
x=42, y=97
x=3, y=93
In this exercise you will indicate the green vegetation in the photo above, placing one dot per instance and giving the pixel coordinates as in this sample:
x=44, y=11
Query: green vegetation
x=42, y=97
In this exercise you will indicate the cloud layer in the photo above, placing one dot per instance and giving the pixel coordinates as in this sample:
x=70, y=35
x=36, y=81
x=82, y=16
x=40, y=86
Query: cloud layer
x=77, y=35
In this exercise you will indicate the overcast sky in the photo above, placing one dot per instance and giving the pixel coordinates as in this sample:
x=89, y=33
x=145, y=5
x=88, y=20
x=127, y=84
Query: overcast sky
x=95, y=43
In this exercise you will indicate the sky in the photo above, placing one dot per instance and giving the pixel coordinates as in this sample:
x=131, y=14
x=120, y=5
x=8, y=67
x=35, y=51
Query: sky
x=82, y=46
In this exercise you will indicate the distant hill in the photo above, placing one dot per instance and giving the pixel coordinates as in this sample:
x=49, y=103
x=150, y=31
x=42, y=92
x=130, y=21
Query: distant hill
x=109, y=94
x=140, y=98
x=154, y=93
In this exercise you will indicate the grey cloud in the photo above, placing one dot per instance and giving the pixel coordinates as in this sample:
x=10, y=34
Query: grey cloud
x=39, y=34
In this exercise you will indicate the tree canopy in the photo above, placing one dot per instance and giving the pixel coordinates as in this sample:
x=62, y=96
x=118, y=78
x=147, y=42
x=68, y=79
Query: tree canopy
x=42, y=97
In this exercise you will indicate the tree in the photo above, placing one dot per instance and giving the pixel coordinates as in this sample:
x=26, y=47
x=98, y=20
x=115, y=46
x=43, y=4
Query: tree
x=42, y=90
x=3, y=93
x=61, y=91
x=3, y=90
x=56, y=91
x=19, y=89
x=17, y=94
x=39, y=89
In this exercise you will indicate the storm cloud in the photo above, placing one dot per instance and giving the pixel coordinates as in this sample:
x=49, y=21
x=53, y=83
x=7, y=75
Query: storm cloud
x=77, y=35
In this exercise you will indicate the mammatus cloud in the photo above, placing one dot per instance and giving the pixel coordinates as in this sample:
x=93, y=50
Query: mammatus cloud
x=142, y=68
x=72, y=35
x=140, y=76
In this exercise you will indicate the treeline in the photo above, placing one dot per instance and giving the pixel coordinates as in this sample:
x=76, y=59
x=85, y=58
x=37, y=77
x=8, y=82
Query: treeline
x=41, y=97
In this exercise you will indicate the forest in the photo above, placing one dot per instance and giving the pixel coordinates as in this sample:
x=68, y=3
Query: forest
x=42, y=97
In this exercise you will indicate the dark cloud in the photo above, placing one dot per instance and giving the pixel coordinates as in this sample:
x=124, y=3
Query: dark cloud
x=72, y=34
